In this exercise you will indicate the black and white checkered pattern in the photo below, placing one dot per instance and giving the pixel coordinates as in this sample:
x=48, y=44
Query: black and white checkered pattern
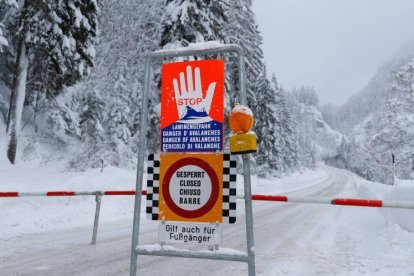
x=229, y=188
x=153, y=190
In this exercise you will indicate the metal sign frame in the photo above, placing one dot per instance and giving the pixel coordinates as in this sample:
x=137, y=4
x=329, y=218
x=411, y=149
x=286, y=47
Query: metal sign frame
x=248, y=257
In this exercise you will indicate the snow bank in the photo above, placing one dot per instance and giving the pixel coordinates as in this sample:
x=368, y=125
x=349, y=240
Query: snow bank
x=43, y=214
x=403, y=191
x=26, y=215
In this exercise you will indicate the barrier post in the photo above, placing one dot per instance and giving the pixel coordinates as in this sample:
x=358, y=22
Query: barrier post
x=98, y=199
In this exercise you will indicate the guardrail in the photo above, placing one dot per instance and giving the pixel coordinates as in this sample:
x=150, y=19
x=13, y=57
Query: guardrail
x=255, y=197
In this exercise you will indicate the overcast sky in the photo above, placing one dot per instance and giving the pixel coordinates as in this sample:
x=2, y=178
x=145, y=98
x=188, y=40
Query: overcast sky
x=335, y=46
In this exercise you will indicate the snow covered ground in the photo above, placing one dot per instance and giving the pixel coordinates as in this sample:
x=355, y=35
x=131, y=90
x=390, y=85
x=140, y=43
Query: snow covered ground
x=51, y=236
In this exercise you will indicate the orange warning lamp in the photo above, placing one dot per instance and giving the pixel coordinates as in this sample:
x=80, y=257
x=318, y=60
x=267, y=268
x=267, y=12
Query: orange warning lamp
x=242, y=140
x=241, y=119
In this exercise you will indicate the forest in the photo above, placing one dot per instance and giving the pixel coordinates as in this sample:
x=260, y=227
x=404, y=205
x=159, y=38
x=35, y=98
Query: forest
x=71, y=82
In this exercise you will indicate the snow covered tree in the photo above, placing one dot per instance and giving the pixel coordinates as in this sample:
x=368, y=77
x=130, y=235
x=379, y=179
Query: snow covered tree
x=330, y=115
x=9, y=2
x=267, y=126
x=57, y=48
x=91, y=118
x=4, y=6
x=119, y=124
x=3, y=40
x=58, y=121
x=242, y=29
x=18, y=92
x=404, y=85
x=316, y=140
x=129, y=30
x=287, y=127
x=192, y=21
x=366, y=162
x=7, y=56
x=393, y=131
x=7, y=9
x=306, y=95
x=91, y=152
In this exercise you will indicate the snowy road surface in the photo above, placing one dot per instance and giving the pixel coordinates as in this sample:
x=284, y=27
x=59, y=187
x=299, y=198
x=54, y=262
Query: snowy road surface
x=290, y=239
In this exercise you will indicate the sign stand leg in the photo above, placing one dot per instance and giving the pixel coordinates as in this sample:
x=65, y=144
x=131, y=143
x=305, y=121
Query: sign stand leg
x=140, y=170
x=249, y=215
x=216, y=246
x=162, y=243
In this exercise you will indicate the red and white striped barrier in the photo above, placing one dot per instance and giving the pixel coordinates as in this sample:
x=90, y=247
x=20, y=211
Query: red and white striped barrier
x=68, y=193
x=280, y=198
x=98, y=198
x=336, y=201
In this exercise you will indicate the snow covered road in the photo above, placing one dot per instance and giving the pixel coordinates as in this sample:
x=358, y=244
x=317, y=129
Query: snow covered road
x=290, y=239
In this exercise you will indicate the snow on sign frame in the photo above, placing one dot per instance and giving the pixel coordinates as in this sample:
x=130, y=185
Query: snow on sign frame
x=192, y=111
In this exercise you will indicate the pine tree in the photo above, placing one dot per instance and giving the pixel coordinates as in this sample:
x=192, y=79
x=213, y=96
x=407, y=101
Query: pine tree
x=242, y=30
x=267, y=127
x=62, y=36
x=404, y=85
x=288, y=127
x=393, y=131
x=91, y=118
x=192, y=21
x=118, y=122
x=91, y=152
x=7, y=51
x=368, y=163
x=130, y=29
x=3, y=40
x=56, y=48
x=305, y=117
x=9, y=2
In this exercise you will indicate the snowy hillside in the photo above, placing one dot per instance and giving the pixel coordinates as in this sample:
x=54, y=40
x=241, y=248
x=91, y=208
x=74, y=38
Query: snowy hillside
x=327, y=139
x=379, y=119
x=372, y=98
x=318, y=141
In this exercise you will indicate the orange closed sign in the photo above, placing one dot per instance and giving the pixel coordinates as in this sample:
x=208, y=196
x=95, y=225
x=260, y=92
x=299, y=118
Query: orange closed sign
x=191, y=187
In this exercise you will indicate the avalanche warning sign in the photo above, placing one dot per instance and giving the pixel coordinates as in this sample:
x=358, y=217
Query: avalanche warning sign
x=192, y=99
